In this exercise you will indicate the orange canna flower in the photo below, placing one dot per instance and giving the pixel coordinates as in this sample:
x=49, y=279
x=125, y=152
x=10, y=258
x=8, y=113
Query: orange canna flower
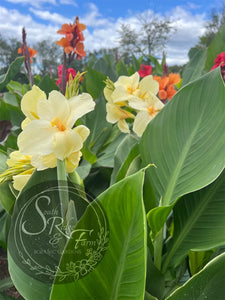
x=72, y=42
x=32, y=52
x=166, y=86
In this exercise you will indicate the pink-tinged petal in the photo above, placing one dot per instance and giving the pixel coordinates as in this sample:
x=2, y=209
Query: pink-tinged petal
x=66, y=142
x=56, y=106
x=141, y=121
x=30, y=100
x=36, y=138
x=79, y=106
x=83, y=131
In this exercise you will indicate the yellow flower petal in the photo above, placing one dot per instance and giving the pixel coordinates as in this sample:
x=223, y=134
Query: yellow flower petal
x=36, y=138
x=141, y=121
x=148, y=84
x=19, y=181
x=72, y=161
x=29, y=102
x=79, y=106
x=123, y=126
x=83, y=131
x=65, y=143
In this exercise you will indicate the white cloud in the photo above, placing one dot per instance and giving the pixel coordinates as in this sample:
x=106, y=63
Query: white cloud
x=51, y=17
x=35, y=3
x=102, y=32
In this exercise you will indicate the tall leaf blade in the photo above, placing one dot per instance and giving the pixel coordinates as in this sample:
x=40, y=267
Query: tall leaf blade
x=121, y=272
x=207, y=284
x=186, y=140
x=199, y=222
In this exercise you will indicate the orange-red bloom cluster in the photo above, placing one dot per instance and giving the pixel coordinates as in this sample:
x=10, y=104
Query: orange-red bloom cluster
x=23, y=50
x=166, y=86
x=73, y=40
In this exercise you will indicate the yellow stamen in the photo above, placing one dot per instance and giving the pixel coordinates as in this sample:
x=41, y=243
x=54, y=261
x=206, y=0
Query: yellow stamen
x=152, y=111
x=56, y=122
x=34, y=115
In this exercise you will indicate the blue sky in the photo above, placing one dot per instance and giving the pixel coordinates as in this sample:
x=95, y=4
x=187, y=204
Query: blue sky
x=42, y=18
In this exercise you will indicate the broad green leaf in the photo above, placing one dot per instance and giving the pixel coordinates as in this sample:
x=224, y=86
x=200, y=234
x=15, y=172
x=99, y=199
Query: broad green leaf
x=94, y=82
x=186, y=140
x=47, y=84
x=207, y=284
x=121, y=69
x=199, y=222
x=26, y=266
x=121, y=154
x=7, y=199
x=11, y=113
x=5, y=283
x=131, y=165
x=216, y=47
x=4, y=228
x=157, y=69
x=106, y=67
x=106, y=156
x=149, y=296
x=198, y=259
x=6, y=297
x=121, y=272
x=14, y=68
x=194, y=68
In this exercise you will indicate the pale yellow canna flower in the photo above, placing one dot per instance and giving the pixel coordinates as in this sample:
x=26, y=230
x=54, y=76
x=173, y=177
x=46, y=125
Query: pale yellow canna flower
x=20, y=170
x=29, y=104
x=130, y=87
x=115, y=114
x=51, y=136
x=147, y=111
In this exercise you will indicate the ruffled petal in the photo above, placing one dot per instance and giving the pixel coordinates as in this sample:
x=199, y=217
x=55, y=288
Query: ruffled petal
x=36, y=138
x=148, y=84
x=128, y=81
x=123, y=126
x=83, y=131
x=66, y=142
x=79, y=106
x=72, y=161
x=141, y=121
x=56, y=106
x=30, y=100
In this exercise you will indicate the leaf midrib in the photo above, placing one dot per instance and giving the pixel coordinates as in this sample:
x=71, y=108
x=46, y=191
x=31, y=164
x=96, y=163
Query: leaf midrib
x=167, y=199
x=199, y=208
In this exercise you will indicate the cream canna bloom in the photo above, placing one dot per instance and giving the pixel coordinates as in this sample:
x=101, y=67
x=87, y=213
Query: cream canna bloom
x=115, y=114
x=50, y=135
x=20, y=170
x=130, y=87
x=147, y=111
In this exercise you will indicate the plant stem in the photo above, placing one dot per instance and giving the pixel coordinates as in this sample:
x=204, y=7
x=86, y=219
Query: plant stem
x=158, y=244
x=64, y=74
x=63, y=188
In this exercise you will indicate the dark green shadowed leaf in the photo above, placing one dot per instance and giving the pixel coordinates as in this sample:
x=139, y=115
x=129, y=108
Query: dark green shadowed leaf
x=121, y=272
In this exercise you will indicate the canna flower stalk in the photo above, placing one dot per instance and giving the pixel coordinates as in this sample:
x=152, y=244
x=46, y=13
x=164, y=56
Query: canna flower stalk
x=28, y=53
x=72, y=44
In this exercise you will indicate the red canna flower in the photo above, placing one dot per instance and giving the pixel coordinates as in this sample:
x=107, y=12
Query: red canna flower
x=145, y=70
x=68, y=72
